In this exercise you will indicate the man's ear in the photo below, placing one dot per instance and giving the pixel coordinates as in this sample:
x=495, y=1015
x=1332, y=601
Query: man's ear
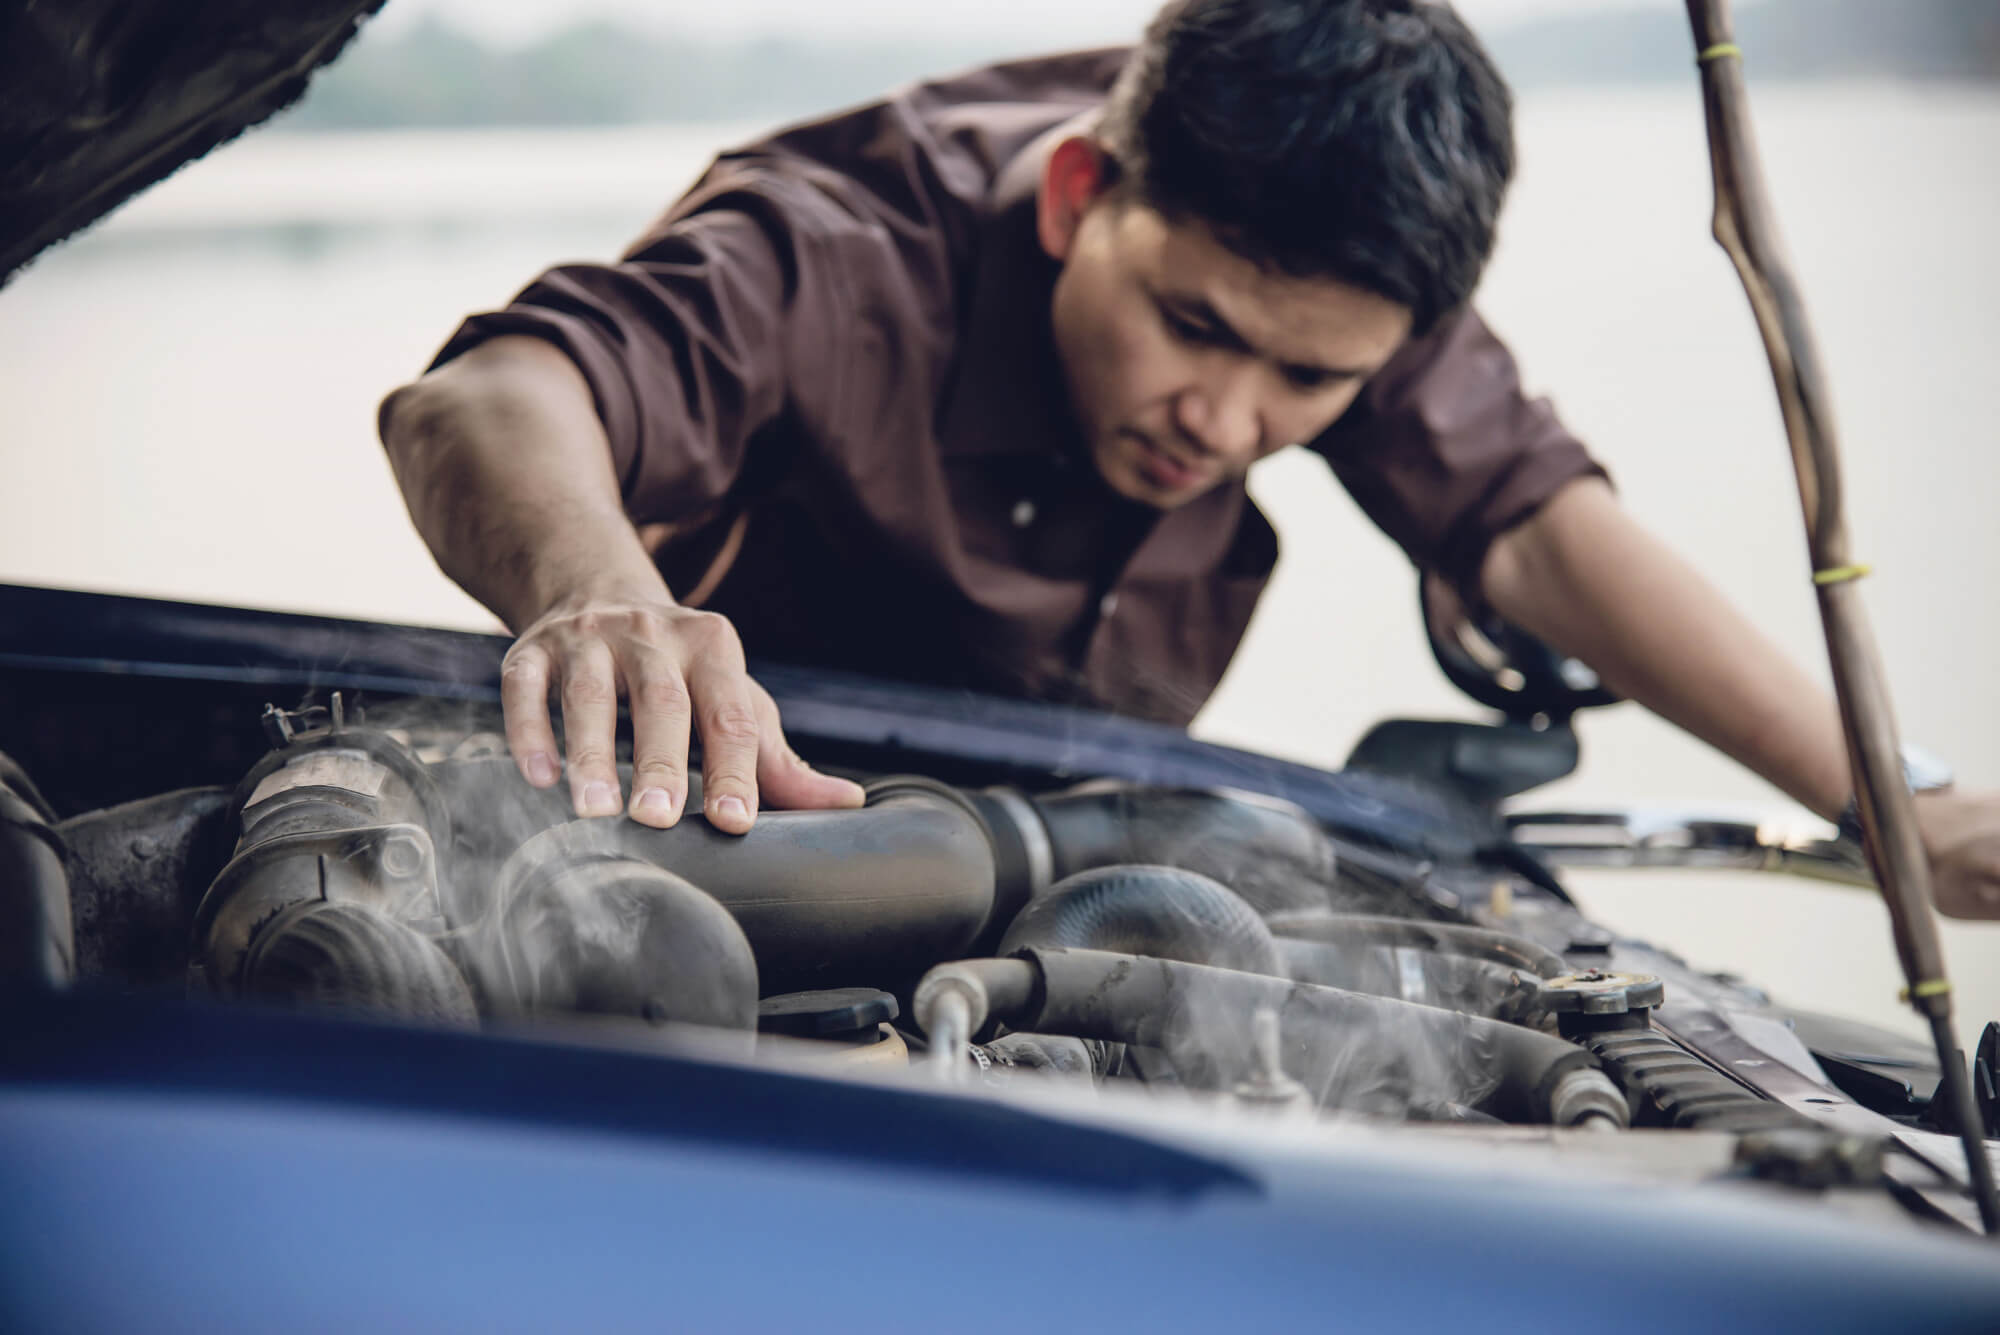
x=1076, y=176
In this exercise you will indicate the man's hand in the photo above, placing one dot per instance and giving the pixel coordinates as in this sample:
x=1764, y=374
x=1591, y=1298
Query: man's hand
x=507, y=473
x=1962, y=836
x=681, y=670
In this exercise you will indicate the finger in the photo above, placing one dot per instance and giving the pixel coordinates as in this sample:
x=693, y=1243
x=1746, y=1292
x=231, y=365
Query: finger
x=524, y=702
x=787, y=781
x=726, y=713
x=590, y=725
x=661, y=716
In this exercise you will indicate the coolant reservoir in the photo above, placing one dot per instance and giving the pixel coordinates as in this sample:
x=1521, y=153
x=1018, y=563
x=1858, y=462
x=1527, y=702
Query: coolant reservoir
x=849, y=1025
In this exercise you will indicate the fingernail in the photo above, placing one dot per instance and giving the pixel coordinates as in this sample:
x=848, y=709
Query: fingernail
x=599, y=799
x=653, y=804
x=732, y=807
x=541, y=769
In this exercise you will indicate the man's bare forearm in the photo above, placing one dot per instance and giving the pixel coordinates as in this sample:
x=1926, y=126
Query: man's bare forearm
x=1585, y=577
x=506, y=472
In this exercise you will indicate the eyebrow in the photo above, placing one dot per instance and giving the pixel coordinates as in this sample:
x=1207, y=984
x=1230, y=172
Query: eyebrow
x=1200, y=310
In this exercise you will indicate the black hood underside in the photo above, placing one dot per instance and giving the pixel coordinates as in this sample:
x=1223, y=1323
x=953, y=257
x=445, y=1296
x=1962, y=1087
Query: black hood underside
x=101, y=98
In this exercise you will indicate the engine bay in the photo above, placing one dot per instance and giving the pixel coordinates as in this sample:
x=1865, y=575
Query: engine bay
x=1033, y=904
x=1208, y=946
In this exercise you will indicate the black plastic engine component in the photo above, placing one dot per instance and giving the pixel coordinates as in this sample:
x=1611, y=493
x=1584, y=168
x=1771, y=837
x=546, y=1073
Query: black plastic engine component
x=1159, y=911
x=1484, y=762
x=1594, y=1001
x=1670, y=1086
x=845, y=1014
x=37, y=945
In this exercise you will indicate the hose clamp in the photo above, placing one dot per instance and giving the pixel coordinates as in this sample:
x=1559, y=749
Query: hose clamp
x=1034, y=836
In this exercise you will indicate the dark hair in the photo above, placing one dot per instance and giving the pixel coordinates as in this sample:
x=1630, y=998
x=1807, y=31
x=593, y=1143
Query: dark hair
x=1364, y=140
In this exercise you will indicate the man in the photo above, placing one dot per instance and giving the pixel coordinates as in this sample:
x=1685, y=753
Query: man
x=962, y=386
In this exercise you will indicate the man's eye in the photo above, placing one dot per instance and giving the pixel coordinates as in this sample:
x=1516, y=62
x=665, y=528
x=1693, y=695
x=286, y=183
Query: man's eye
x=1307, y=380
x=1188, y=331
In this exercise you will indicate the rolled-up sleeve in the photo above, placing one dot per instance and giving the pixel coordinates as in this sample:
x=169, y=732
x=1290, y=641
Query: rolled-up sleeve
x=1445, y=453
x=688, y=343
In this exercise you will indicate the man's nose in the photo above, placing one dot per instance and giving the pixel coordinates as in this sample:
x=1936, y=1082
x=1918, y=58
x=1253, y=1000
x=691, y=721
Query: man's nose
x=1220, y=415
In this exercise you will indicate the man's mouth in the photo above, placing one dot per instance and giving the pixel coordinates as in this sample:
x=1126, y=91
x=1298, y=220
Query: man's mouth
x=1163, y=470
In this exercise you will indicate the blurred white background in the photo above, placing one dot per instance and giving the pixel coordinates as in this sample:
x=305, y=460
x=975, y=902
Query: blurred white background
x=190, y=391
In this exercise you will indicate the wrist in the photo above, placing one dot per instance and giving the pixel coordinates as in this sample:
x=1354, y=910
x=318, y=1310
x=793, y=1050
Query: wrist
x=557, y=596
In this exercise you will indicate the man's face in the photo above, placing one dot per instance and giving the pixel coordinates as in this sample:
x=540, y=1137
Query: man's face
x=1188, y=363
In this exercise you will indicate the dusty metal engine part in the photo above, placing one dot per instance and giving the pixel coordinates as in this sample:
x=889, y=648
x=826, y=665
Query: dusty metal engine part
x=337, y=815
x=137, y=873
x=335, y=956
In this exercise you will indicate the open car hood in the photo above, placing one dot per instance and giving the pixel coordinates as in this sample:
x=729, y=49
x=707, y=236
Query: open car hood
x=99, y=100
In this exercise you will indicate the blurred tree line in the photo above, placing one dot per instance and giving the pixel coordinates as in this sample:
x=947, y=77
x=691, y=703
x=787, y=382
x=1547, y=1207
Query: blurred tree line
x=602, y=74
x=599, y=74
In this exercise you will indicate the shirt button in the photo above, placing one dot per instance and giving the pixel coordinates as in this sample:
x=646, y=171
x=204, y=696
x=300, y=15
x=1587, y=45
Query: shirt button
x=1107, y=604
x=1024, y=513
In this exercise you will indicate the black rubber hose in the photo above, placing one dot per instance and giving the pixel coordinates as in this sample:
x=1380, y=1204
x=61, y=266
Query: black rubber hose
x=348, y=958
x=1370, y=1054
x=831, y=898
x=1440, y=938
x=612, y=935
x=1160, y=911
x=1272, y=854
x=37, y=943
x=1475, y=986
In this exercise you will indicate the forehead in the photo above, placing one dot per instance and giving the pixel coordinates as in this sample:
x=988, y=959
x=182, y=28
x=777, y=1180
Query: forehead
x=1310, y=320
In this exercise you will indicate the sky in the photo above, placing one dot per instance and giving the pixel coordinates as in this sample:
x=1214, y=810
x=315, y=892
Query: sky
x=1063, y=21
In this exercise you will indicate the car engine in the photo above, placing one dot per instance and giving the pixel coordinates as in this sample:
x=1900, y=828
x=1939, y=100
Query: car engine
x=1206, y=945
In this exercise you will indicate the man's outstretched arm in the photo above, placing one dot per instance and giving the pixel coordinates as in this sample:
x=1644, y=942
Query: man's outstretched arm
x=507, y=474
x=1582, y=575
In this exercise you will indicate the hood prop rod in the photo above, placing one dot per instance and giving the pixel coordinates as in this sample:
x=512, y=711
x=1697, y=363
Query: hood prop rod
x=1747, y=229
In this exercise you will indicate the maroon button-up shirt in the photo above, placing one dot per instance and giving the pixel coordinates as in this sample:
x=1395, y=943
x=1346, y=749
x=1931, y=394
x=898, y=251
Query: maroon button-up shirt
x=831, y=389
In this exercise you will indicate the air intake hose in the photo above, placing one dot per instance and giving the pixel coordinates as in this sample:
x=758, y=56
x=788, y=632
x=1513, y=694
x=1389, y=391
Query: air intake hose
x=833, y=898
x=1272, y=854
x=1438, y=938
x=1159, y=911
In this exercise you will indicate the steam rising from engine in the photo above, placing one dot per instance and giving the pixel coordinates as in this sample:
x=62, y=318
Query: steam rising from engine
x=402, y=866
